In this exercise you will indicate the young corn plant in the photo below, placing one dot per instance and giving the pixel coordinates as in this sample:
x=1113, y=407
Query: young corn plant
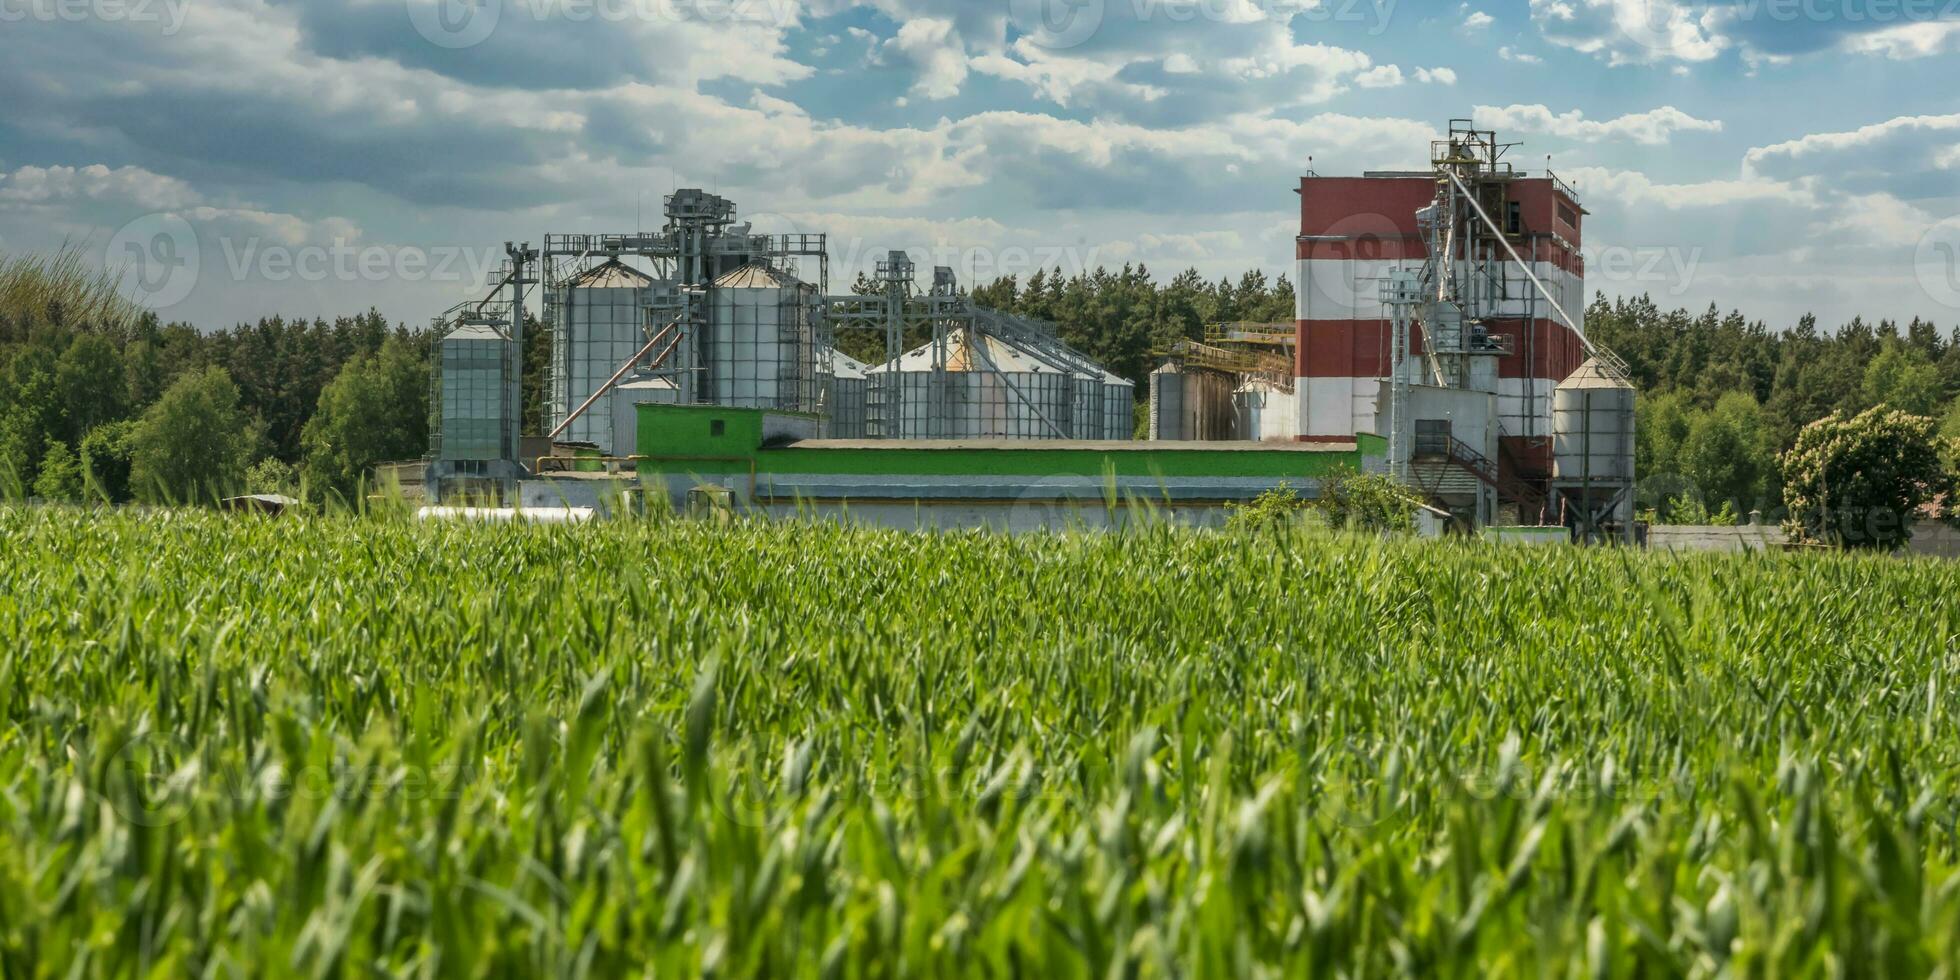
x=341, y=745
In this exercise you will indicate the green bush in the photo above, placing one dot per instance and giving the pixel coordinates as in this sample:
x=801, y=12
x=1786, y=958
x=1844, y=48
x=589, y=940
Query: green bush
x=1859, y=480
x=1368, y=502
x=1276, y=507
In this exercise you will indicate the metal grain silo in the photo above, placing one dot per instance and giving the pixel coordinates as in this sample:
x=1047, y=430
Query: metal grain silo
x=1119, y=407
x=1188, y=403
x=1087, y=420
x=1592, y=451
x=973, y=386
x=600, y=325
x=844, y=397
x=474, y=365
x=759, y=347
x=1592, y=426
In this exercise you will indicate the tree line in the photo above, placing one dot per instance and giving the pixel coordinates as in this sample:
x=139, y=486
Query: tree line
x=100, y=400
x=1722, y=397
x=103, y=401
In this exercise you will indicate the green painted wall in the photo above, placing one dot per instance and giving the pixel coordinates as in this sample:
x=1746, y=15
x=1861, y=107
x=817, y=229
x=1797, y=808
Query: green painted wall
x=698, y=430
x=676, y=438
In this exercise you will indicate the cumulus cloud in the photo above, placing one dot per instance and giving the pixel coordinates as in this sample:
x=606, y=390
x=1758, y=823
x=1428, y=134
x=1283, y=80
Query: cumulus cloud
x=933, y=48
x=1909, y=157
x=1905, y=42
x=1827, y=223
x=1636, y=189
x=1653, y=127
x=1380, y=76
x=1683, y=32
x=134, y=186
x=1146, y=62
x=1630, y=31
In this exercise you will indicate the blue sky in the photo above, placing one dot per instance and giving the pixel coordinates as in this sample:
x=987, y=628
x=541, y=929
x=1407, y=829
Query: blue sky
x=247, y=157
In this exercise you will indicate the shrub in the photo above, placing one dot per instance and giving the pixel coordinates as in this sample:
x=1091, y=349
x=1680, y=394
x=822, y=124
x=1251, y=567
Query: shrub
x=1858, y=480
x=1276, y=507
x=1368, y=502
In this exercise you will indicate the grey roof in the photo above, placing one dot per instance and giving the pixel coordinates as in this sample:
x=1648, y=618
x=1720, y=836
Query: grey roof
x=845, y=366
x=757, y=276
x=611, y=275
x=967, y=351
x=647, y=384
x=475, y=331
x=1592, y=374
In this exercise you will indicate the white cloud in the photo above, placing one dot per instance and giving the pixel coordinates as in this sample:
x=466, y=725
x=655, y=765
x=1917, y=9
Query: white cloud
x=1478, y=21
x=133, y=186
x=1146, y=63
x=1437, y=76
x=1653, y=127
x=933, y=48
x=1634, y=189
x=1520, y=57
x=1895, y=150
x=1639, y=32
x=1879, y=219
x=1380, y=76
x=1905, y=42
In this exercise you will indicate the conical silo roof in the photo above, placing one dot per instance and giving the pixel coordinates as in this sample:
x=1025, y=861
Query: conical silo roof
x=845, y=366
x=755, y=275
x=1593, y=374
x=967, y=351
x=613, y=274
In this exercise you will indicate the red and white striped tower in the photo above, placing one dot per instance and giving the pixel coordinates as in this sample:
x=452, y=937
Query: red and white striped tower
x=1355, y=230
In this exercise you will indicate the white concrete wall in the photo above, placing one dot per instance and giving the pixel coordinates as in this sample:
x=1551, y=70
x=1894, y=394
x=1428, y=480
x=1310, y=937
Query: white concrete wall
x=1265, y=413
x=1344, y=289
x=1929, y=539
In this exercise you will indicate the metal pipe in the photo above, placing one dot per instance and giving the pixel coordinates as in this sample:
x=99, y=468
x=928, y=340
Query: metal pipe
x=623, y=368
x=1492, y=225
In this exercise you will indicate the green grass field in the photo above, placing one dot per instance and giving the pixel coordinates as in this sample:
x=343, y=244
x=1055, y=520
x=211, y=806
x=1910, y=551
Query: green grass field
x=347, y=747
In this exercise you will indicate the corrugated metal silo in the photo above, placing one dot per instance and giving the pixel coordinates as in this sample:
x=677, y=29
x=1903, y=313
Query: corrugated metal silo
x=1592, y=427
x=844, y=397
x=991, y=389
x=759, y=346
x=474, y=365
x=601, y=324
